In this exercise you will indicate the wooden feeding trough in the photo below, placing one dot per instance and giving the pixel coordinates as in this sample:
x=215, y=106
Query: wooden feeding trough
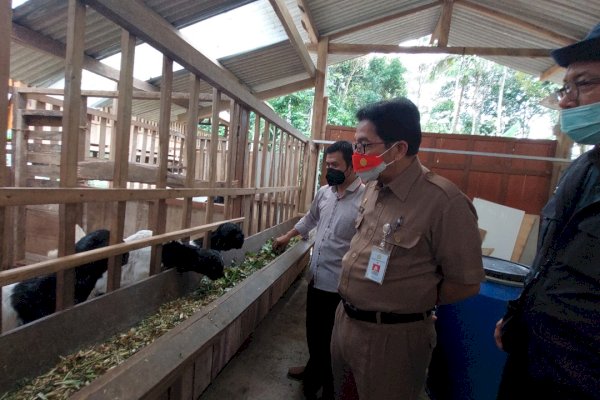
x=180, y=363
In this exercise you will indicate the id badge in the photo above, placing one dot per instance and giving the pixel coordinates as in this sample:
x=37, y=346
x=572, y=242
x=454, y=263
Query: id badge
x=377, y=264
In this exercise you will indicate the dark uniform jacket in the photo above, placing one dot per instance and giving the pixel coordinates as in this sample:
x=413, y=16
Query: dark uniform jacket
x=562, y=308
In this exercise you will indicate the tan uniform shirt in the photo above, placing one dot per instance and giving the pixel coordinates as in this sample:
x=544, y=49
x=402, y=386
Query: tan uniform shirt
x=434, y=236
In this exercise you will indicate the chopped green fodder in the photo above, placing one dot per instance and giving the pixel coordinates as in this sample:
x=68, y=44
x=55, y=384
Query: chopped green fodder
x=78, y=370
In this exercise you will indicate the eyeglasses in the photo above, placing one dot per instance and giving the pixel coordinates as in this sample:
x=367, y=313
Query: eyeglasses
x=362, y=147
x=570, y=90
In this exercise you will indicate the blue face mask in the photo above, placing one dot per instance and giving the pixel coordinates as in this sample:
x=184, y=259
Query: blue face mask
x=582, y=124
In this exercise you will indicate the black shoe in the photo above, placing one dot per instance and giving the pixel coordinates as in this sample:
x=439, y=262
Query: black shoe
x=296, y=373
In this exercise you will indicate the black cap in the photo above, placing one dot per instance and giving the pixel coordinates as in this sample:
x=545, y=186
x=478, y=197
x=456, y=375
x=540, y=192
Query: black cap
x=587, y=49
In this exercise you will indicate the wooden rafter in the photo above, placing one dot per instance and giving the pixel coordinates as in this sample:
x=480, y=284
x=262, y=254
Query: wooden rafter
x=442, y=28
x=504, y=18
x=308, y=22
x=349, y=48
x=285, y=89
x=378, y=21
x=29, y=38
x=294, y=36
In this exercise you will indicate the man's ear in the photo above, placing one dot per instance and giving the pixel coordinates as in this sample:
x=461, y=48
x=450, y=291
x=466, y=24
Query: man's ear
x=402, y=149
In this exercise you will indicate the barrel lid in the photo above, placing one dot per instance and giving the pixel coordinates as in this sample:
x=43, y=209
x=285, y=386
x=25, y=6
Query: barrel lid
x=504, y=269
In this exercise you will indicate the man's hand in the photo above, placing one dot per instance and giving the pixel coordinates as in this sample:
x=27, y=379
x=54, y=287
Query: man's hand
x=497, y=334
x=280, y=243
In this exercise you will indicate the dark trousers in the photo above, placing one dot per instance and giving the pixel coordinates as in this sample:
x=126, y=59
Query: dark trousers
x=320, y=316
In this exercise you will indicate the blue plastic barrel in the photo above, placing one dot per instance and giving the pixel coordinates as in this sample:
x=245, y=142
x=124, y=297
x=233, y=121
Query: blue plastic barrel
x=466, y=364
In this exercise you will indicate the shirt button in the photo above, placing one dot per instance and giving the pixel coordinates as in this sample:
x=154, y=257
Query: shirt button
x=369, y=231
x=378, y=205
x=353, y=255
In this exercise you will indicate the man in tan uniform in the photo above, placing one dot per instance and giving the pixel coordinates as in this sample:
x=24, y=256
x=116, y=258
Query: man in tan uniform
x=417, y=245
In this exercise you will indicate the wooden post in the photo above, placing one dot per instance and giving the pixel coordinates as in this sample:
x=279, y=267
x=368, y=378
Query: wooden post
x=212, y=160
x=190, y=147
x=241, y=164
x=5, y=31
x=120, y=152
x=65, y=282
x=232, y=139
x=310, y=168
x=271, y=196
x=160, y=206
x=253, y=171
x=19, y=160
x=262, y=211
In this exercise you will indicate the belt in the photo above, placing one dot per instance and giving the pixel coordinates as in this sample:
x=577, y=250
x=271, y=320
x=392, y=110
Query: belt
x=379, y=317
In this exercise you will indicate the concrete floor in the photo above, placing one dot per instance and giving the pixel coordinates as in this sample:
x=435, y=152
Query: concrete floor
x=259, y=369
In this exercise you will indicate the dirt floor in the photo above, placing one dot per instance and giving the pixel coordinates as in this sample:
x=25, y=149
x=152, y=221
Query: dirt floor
x=259, y=369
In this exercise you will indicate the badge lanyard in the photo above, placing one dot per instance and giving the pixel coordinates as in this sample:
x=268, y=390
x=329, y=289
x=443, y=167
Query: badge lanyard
x=379, y=258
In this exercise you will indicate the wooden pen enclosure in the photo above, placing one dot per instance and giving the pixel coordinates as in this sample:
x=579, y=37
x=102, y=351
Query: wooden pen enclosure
x=66, y=164
x=468, y=161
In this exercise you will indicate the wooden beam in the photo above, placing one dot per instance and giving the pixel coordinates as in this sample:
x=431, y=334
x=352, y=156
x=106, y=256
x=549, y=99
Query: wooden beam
x=156, y=31
x=308, y=22
x=73, y=260
x=377, y=21
x=136, y=95
x=293, y=35
x=504, y=18
x=39, y=196
x=349, y=48
x=32, y=39
x=442, y=28
x=286, y=89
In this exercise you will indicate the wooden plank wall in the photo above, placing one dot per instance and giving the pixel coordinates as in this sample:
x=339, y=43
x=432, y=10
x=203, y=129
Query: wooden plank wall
x=228, y=164
x=517, y=183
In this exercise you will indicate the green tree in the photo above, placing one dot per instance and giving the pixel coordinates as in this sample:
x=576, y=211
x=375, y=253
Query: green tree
x=295, y=108
x=357, y=82
x=350, y=85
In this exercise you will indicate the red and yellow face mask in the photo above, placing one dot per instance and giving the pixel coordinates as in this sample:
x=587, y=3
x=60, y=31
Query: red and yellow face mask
x=369, y=166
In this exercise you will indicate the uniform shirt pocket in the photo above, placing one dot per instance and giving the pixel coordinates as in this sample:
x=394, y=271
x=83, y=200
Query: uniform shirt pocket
x=404, y=238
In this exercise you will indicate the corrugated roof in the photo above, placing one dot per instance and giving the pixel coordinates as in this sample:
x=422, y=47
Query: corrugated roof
x=509, y=24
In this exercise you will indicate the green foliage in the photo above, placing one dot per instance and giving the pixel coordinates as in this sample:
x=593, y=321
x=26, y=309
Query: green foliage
x=481, y=97
x=350, y=85
x=355, y=83
x=296, y=109
x=473, y=96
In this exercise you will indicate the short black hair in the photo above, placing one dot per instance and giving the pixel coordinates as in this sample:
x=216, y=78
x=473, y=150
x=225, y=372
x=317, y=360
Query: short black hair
x=343, y=147
x=396, y=119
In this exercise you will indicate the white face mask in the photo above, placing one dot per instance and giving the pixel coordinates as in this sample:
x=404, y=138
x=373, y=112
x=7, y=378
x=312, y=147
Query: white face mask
x=372, y=174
